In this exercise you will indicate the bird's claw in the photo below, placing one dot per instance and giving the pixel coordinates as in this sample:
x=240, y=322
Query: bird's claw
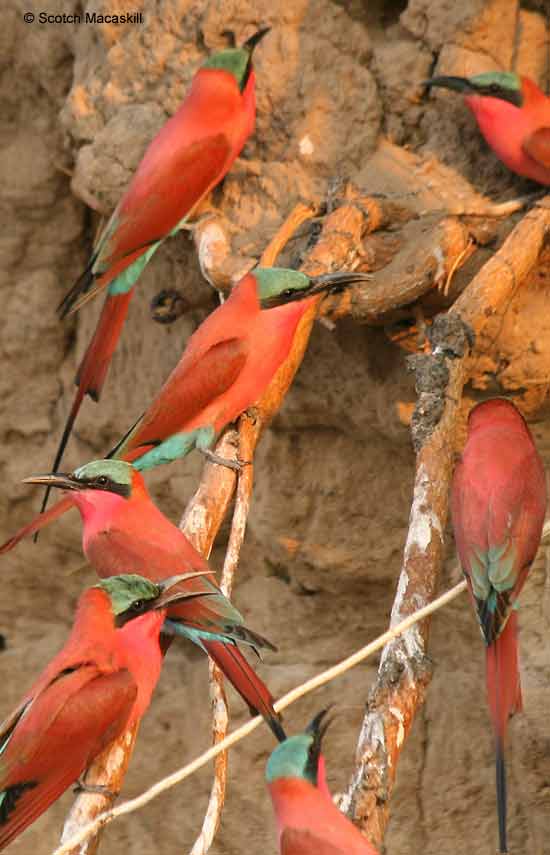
x=232, y=463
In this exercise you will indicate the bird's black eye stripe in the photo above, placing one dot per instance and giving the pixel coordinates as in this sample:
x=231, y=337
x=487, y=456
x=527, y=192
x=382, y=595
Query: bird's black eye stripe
x=103, y=482
x=134, y=610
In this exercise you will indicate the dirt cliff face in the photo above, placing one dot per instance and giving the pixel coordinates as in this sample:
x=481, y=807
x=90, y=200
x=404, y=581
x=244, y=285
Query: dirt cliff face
x=334, y=473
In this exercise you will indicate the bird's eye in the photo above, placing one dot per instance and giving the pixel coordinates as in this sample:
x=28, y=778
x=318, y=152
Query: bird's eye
x=137, y=605
x=288, y=292
x=494, y=87
x=102, y=481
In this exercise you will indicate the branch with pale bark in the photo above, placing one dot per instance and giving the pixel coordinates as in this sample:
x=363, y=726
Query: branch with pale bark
x=404, y=671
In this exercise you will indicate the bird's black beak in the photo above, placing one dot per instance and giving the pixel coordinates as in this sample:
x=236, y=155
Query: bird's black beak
x=317, y=728
x=255, y=39
x=319, y=725
x=55, y=479
x=457, y=84
x=168, y=597
x=333, y=283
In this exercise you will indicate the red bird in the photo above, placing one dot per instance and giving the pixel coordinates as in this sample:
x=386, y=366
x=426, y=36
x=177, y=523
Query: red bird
x=227, y=365
x=191, y=153
x=97, y=686
x=513, y=115
x=308, y=821
x=498, y=504
x=124, y=530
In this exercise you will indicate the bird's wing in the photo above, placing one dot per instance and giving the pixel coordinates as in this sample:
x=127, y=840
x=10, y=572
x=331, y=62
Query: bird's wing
x=509, y=523
x=191, y=387
x=55, y=739
x=156, y=201
x=537, y=146
x=298, y=842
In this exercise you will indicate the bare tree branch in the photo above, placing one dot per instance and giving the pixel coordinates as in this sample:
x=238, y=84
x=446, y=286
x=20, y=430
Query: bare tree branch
x=220, y=714
x=404, y=673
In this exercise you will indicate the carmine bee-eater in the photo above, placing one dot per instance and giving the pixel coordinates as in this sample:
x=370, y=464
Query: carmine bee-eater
x=227, y=365
x=124, y=530
x=308, y=821
x=99, y=684
x=513, y=115
x=498, y=503
x=191, y=153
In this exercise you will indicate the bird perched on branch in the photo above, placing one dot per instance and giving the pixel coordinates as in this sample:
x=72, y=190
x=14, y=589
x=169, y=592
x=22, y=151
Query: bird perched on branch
x=124, y=530
x=513, y=115
x=308, y=821
x=498, y=504
x=99, y=684
x=227, y=365
x=191, y=153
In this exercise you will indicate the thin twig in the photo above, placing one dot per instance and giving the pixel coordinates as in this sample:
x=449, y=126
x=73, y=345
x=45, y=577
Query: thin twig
x=291, y=697
x=467, y=251
x=249, y=431
x=220, y=713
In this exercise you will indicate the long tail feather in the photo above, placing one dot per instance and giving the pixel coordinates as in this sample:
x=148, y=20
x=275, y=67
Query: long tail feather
x=67, y=430
x=94, y=366
x=57, y=510
x=250, y=687
x=501, y=796
x=118, y=450
x=504, y=695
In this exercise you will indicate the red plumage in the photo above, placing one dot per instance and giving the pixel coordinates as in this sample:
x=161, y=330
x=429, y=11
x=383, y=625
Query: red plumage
x=228, y=363
x=98, y=685
x=189, y=156
x=518, y=135
x=131, y=535
x=498, y=504
x=309, y=822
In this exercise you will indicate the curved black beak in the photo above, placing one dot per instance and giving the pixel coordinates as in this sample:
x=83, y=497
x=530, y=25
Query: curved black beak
x=320, y=724
x=457, y=84
x=255, y=39
x=166, y=598
x=55, y=479
x=332, y=283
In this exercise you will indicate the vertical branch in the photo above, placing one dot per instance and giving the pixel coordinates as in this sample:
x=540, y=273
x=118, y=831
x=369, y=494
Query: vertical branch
x=404, y=674
x=220, y=714
x=248, y=435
